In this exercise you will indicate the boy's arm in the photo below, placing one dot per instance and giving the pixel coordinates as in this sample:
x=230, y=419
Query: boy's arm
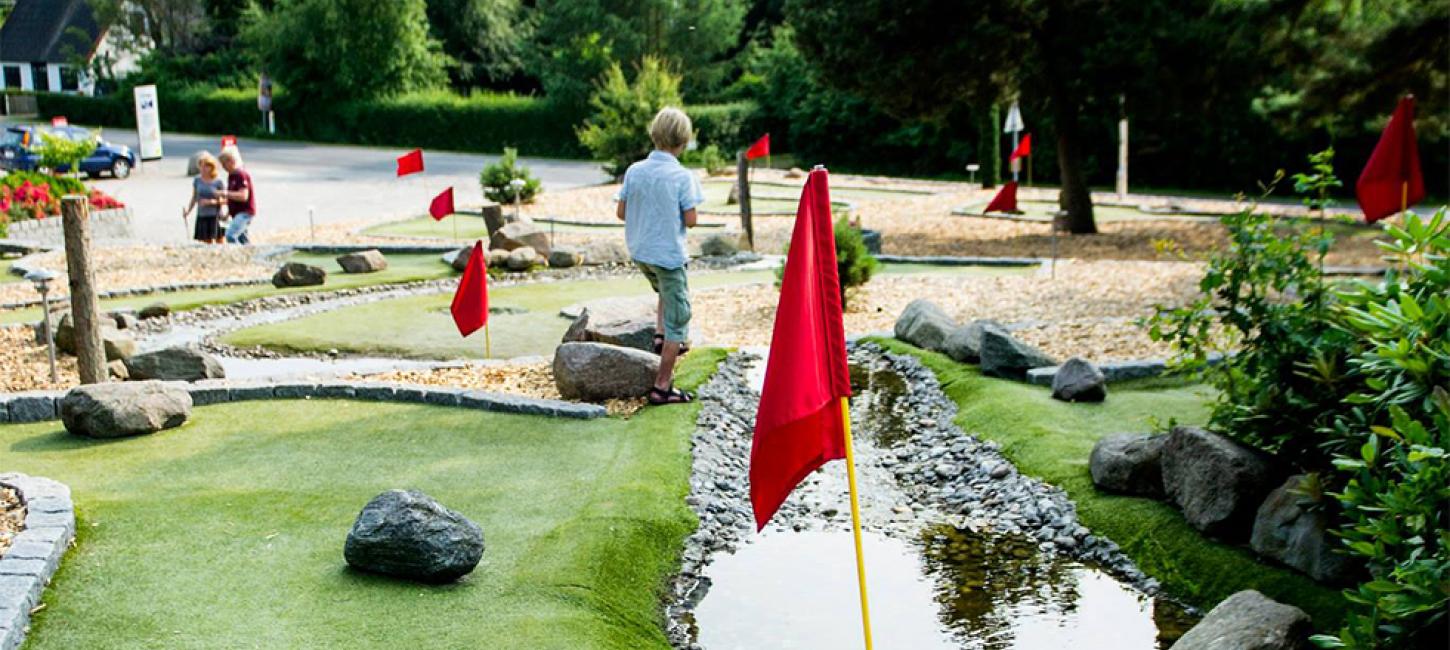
x=690, y=217
x=691, y=197
x=619, y=209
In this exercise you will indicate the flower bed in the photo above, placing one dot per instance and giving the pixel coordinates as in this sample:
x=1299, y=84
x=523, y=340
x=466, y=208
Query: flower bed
x=32, y=195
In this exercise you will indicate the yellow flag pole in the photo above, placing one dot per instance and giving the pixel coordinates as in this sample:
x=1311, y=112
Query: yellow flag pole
x=856, y=521
x=1404, y=197
x=487, y=343
x=454, y=219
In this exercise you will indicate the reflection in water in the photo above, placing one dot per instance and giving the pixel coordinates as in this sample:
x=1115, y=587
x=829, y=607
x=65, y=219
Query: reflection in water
x=879, y=405
x=1000, y=593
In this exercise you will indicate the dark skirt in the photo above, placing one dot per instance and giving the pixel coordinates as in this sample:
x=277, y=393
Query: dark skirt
x=207, y=229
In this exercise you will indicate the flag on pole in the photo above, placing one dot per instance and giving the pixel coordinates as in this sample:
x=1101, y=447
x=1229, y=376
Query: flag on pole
x=1023, y=150
x=1014, y=122
x=1006, y=199
x=1391, y=180
x=410, y=163
x=442, y=205
x=470, y=302
x=800, y=425
x=760, y=149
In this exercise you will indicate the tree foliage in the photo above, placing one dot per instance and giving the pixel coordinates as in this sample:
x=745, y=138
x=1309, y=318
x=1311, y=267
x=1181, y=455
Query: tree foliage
x=346, y=49
x=487, y=39
x=618, y=131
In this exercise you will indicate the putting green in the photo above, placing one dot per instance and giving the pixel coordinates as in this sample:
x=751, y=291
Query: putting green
x=420, y=327
x=401, y=269
x=228, y=532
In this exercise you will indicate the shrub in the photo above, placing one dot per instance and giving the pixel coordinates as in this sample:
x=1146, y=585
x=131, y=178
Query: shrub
x=58, y=152
x=497, y=178
x=854, y=264
x=618, y=131
x=709, y=157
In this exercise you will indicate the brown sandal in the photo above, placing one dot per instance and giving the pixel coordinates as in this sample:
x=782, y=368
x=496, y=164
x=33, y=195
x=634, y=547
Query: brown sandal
x=660, y=397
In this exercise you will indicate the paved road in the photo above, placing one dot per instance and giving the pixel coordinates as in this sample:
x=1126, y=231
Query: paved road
x=340, y=182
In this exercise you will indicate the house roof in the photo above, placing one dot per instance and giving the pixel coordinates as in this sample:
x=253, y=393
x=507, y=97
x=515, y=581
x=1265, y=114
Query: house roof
x=52, y=31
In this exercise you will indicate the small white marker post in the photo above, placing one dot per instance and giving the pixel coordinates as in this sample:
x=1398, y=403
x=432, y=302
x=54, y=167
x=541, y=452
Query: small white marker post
x=312, y=223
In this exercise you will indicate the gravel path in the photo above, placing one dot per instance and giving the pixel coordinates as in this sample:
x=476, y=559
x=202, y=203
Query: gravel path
x=120, y=268
x=12, y=518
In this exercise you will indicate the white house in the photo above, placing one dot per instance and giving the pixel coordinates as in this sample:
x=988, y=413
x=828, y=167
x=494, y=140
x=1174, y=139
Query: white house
x=43, y=41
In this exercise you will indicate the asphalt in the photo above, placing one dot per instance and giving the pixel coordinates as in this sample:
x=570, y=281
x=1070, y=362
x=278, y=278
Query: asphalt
x=330, y=182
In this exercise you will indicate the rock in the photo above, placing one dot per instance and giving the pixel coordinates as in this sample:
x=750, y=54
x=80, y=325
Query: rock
x=522, y=259
x=599, y=371
x=795, y=172
x=123, y=320
x=605, y=252
x=296, y=274
x=964, y=344
x=637, y=333
x=368, y=261
x=872, y=240
x=154, y=310
x=733, y=198
x=492, y=217
x=1128, y=463
x=175, y=364
x=924, y=325
x=1006, y=357
x=1248, y=620
x=1293, y=528
x=117, y=370
x=193, y=164
x=1078, y=380
x=131, y=409
x=459, y=259
x=578, y=330
x=565, y=258
x=1217, y=482
x=519, y=235
x=407, y=534
x=720, y=245
x=117, y=344
x=497, y=259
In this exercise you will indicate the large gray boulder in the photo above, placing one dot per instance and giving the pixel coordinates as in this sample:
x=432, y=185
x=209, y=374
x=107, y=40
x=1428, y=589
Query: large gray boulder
x=637, y=333
x=579, y=329
x=1217, y=482
x=1249, y=620
x=124, y=409
x=154, y=310
x=459, y=259
x=522, y=259
x=720, y=245
x=565, y=258
x=605, y=252
x=1293, y=528
x=518, y=235
x=175, y=364
x=118, y=345
x=598, y=371
x=1128, y=463
x=368, y=261
x=407, y=534
x=924, y=325
x=964, y=344
x=297, y=274
x=1006, y=357
x=1078, y=380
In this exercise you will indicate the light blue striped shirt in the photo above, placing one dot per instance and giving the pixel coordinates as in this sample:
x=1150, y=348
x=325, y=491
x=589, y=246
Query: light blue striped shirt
x=656, y=193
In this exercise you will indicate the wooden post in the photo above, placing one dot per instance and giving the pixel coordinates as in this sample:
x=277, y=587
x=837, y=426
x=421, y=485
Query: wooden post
x=742, y=179
x=85, y=306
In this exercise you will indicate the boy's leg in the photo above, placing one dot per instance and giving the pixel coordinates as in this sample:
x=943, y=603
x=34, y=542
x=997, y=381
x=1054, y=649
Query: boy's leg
x=675, y=317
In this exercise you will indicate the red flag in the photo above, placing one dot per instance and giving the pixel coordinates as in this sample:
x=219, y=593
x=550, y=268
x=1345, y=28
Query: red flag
x=470, y=303
x=229, y=141
x=1006, y=199
x=799, y=425
x=410, y=163
x=760, y=149
x=442, y=205
x=1391, y=180
x=1023, y=150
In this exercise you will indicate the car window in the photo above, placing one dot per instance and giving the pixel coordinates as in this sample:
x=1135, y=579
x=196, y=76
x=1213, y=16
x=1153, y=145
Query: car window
x=11, y=138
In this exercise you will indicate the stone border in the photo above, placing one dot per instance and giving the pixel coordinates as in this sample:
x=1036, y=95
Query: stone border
x=1115, y=371
x=39, y=406
x=34, y=556
x=952, y=260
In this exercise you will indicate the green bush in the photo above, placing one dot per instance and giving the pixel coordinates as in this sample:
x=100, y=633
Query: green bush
x=730, y=126
x=59, y=151
x=618, y=131
x=708, y=157
x=1392, y=443
x=854, y=264
x=497, y=180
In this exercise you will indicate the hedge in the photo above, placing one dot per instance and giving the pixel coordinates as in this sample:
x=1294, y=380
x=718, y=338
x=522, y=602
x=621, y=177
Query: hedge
x=439, y=120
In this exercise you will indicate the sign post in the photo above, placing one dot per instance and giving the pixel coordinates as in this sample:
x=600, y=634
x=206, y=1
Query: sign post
x=148, y=122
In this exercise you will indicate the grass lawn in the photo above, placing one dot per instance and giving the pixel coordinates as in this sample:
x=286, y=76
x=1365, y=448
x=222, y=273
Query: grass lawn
x=1051, y=440
x=401, y=268
x=420, y=327
x=7, y=276
x=224, y=534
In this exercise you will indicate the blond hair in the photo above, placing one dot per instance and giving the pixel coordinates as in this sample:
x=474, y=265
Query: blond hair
x=670, y=129
x=231, y=152
x=207, y=161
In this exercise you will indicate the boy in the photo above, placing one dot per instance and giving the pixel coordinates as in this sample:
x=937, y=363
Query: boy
x=656, y=204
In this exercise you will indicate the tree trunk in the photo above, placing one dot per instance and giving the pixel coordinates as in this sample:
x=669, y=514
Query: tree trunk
x=990, y=143
x=1074, y=198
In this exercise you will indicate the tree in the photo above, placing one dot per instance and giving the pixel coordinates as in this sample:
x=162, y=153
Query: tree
x=487, y=39
x=335, y=50
x=168, y=26
x=618, y=132
x=926, y=58
x=690, y=36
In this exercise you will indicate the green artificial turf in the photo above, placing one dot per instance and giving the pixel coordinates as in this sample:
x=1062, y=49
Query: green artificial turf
x=420, y=327
x=1051, y=440
x=228, y=531
x=401, y=269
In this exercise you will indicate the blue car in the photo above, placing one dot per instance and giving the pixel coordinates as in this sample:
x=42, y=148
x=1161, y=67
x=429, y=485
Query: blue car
x=19, y=151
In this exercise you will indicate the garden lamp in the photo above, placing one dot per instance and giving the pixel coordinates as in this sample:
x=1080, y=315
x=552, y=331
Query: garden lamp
x=972, y=169
x=42, y=278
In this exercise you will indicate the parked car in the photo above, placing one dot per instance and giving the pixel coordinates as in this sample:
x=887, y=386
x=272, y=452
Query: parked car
x=19, y=151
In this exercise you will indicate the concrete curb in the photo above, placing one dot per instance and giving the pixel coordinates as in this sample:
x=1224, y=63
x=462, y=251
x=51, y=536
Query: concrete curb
x=42, y=406
x=34, y=555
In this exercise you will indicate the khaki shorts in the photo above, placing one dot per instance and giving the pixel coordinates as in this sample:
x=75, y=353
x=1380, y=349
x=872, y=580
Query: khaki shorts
x=674, y=291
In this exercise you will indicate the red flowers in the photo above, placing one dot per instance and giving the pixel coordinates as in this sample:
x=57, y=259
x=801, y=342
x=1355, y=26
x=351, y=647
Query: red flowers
x=24, y=197
x=102, y=201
